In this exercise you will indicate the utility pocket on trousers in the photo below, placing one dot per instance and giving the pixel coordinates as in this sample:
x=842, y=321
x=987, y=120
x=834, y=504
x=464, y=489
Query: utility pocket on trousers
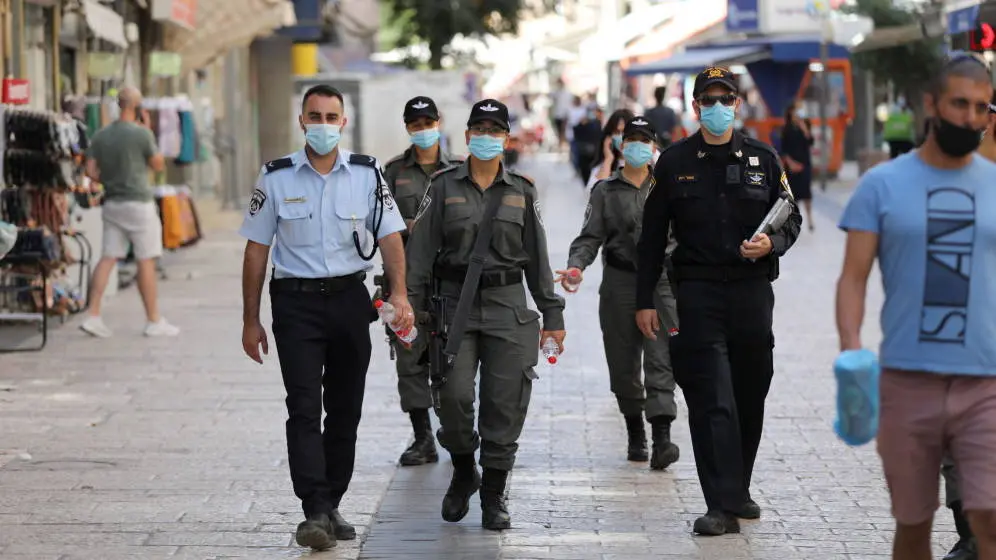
x=529, y=346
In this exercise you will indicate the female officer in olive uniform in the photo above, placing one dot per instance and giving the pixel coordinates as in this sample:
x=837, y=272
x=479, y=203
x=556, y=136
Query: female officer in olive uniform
x=612, y=221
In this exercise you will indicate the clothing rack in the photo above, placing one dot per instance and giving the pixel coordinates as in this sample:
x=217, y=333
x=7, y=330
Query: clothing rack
x=42, y=157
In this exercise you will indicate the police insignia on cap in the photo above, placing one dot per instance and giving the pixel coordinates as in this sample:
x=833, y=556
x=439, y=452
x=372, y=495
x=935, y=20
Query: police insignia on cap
x=420, y=105
x=714, y=73
x=256, y=201
x=489, y=108
x=640, y=122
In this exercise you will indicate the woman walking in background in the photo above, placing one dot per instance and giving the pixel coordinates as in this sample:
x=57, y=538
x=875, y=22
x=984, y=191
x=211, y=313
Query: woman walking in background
x=610, y=157
x=797, y=139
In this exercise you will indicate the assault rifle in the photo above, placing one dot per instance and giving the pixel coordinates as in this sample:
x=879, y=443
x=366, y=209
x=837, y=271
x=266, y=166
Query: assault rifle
x=383, y=293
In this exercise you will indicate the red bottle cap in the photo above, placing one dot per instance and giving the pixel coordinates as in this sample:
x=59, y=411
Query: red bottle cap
x=378, y=303
x=552, y=359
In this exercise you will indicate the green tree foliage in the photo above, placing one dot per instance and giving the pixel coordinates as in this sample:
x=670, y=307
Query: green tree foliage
x=437, y=22
x=908, y=67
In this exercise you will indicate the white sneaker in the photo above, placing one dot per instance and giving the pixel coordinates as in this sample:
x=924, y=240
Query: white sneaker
x=161, y=328
x=94, y=326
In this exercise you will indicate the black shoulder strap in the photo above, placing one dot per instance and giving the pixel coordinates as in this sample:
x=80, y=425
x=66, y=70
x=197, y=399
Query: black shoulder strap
x=278, y=164
x=471, y=282
x=361, y=159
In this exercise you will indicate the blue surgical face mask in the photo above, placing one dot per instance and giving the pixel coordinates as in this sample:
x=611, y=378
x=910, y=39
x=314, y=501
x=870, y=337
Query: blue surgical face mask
x=486, y=147
x=425, y=138
x=717, y=119
x=323, y=138
x=637, y=154
x=616, y=141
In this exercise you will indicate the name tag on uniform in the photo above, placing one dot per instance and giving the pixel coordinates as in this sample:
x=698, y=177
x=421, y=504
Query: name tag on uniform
x=686, y=178
x=754, y=160
x=755, y=178
x=454, y=200
x=399, y=182
x=296, y=200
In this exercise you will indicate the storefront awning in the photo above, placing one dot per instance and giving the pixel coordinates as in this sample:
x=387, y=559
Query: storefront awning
x=222, y=25
x=105, y=23
x=694, y=60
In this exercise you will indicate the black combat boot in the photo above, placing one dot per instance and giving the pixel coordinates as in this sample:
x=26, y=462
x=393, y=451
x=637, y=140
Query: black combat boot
x=316, y=532
x=965, y=548
x=665, y=453
x=716, y=523
x=637, y=450
x=494, y=513
x=466, y=480
x=423, y=449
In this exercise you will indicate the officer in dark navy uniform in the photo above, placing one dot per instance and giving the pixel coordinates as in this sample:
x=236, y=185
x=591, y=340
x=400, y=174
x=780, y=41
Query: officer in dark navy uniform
x=325, y=211
x=713, y=190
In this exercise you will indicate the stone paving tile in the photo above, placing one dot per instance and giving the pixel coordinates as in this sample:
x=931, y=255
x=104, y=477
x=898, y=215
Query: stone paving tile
x=137, y=448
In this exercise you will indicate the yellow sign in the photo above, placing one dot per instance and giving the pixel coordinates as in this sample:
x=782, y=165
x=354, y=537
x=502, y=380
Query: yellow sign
x=715, y=73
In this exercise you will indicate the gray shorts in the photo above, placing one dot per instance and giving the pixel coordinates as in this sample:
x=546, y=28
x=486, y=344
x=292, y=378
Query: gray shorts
x=134, y=223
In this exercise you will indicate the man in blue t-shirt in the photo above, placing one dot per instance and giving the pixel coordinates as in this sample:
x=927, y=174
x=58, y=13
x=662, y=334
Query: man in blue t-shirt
x=929, y=216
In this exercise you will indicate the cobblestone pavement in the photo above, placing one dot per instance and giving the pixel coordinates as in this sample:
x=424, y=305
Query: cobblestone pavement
x=136, y=448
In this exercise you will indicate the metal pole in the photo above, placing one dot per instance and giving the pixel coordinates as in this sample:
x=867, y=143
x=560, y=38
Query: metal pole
x=824, y=101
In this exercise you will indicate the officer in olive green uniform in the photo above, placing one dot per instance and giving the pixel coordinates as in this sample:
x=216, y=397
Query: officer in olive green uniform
x=502, y=335
x=408, y=176
x=612, y=221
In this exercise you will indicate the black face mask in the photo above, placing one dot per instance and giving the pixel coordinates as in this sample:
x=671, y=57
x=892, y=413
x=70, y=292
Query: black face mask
x=954, y=140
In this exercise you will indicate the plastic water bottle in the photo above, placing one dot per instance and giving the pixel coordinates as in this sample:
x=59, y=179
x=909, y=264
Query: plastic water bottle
x=857, y=373
x=388, y=315
x=573, y=279
x=551, y=351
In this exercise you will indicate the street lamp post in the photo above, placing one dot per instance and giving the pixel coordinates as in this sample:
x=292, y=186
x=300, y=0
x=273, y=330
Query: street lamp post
x=824, y=96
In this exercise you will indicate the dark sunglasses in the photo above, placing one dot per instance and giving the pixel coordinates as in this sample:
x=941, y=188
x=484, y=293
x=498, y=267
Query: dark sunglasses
x=710, y=100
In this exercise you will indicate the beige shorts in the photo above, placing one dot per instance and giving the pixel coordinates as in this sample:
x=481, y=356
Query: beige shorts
x=134, y=223
x=922, y=416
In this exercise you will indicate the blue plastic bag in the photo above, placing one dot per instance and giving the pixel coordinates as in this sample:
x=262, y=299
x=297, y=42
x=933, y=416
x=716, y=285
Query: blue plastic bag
x=857, y=373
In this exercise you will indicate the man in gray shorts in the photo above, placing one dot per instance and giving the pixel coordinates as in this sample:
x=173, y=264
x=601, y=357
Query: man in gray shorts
x=119, y=157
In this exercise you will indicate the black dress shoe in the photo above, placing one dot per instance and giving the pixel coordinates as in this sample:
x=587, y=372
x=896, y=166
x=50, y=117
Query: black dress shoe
x=749, y=510
x=716, y=523
x=342, y=530
x=964, y=549
x=316, y=532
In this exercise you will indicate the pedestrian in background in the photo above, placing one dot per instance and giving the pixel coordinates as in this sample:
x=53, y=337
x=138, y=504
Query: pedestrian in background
x=502, y=335
x=612, y=223
x=318, y=208
x=796, y=145
x=407, y=175
x=610, y=157
x=928, y=216
x=712, y=191
x=120, y=157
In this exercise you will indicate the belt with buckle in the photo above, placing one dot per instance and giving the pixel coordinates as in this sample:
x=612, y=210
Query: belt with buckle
x=489, y=278
x=316, y=285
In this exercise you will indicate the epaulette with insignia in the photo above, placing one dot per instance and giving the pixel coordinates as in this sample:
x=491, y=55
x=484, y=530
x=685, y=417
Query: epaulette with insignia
x=443, y=170
x=521, y=175
x=755, y=143
x=278, y=164
x=362, y=159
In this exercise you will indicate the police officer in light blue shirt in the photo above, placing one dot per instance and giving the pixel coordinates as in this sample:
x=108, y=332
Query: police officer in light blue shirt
x=325, y=211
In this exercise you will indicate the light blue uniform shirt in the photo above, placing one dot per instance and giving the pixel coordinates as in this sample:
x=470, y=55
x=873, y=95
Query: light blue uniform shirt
x=313, y=217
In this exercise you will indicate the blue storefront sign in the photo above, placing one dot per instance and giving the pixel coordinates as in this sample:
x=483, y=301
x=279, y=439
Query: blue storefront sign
x=963, y=20
x=743, y=16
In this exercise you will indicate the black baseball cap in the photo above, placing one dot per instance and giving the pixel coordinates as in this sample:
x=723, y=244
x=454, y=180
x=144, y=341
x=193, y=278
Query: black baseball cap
x=489, y=110
x=712, y=76
x=421, y=106
x=639, y=126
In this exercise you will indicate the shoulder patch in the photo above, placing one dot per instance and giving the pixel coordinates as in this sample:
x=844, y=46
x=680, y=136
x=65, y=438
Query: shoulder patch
x=361, y=159
x=539, y=215
x=278, y=164
x=256, y=201
x=392, y=161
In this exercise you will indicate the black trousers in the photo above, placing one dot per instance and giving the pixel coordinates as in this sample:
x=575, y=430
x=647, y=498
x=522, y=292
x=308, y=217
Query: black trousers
x=323, y=341
x=723, y=363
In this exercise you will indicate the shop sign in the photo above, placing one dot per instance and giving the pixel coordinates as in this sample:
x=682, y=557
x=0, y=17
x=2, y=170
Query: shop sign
x=104, y=65
x=794, y=16
x=164, y=64
x=742, y=16
x=179, y=12
x=16, y=92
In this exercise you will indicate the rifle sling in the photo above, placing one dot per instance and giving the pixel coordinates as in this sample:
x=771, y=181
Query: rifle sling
x=471, y=282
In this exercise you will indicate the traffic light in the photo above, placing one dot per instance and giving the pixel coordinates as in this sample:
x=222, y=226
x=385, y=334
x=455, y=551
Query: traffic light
x=982, y=39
